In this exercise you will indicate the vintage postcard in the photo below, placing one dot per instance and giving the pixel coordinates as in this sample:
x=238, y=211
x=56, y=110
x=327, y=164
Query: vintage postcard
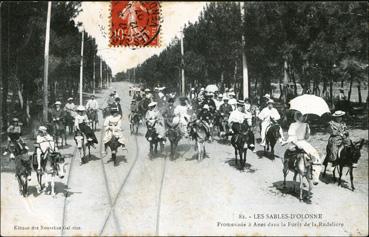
x=184, y=118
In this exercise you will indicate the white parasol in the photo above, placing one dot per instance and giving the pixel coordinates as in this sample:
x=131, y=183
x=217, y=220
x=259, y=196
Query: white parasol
x=211, y=88
x=310, y=104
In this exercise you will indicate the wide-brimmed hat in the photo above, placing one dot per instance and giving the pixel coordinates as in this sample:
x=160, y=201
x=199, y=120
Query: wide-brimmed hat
x=267, y=96
x=147, y=90
x=58, y=103
x=152, y=104
x=15, y=119
x=231, y=93
x=240, y=103
x=220, y=95
x=81, y=108
x=70, y=98
x=225, y=98
x=202, y=89
x=92, y=96
x=270, y=101
x=338, y=113
x=206, y=106
x=42, y=129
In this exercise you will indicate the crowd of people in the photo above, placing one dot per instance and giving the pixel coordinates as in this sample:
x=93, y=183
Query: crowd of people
x=206, y=106
x=163, y=110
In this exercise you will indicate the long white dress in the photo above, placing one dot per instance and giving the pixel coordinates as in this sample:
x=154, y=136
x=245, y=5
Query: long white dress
x=113, y=126
x=154, y=115
x=265, y=116
x=298, y=134
x=181, y=111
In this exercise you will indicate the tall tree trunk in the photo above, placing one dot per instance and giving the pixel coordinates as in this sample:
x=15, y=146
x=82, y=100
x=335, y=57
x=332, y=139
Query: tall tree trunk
x=1, y=72
x=234, y=74
x=359, y=91
x=292, y=74
x=5, y=78
x=222, y=80
x=256, y=87
x=349, y=93
x=331, y=90
x=324, y=85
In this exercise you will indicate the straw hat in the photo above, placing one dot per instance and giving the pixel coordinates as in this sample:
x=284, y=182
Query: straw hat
x=42, y=129
x=81, y=108
x=338, y=113
x=152, y=104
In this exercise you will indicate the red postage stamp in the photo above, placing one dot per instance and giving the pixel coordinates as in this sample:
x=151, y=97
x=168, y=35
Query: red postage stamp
x=135, y=23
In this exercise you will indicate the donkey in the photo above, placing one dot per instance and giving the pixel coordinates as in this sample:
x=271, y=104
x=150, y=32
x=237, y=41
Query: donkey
x=23, y=173
x=153, y=138
x=114, y=144
x=174, y=136
x=69, y=122
x=303, y=165
x=59, y=130
x=242, y=139
x=348, y=155
x=272, y=136
x=52, y=164
x=197, y=131
x=79, y=138
x=22, y=166
x=93, y=117
x=134, y=122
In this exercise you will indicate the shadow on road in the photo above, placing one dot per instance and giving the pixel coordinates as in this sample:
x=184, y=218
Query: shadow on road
x=266, y=154
x=88, y=158
x=328, y=179
x=119, y=159
x=243, y=168
x=59, y=188
x=292, y=188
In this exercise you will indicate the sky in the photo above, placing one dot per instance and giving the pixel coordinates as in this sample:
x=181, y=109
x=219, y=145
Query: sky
x=95, y=20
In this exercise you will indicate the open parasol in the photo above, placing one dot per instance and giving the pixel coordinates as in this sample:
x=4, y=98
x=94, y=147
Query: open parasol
x=212, y=88
x=310, y=104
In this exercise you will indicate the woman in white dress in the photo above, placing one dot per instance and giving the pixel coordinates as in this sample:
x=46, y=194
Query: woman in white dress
x=113, y=126
x=299, y=133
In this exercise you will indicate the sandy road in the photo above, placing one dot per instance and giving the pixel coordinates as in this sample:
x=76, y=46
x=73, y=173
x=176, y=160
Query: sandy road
x=197, y=198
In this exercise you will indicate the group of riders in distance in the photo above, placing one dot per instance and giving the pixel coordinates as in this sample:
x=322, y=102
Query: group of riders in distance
x=200, y=116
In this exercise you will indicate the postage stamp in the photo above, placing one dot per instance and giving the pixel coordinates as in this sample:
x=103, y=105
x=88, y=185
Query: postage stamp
x=135, y=24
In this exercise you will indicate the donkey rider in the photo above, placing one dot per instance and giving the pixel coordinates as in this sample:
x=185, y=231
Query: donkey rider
x=238, y=117
x=14, y=133
x=269, y=115
x=183, y=111
x=113, y=127
x=298, y=134
x=44, y=142
x=153, y=116
x=80, y=124
x=339, y=137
